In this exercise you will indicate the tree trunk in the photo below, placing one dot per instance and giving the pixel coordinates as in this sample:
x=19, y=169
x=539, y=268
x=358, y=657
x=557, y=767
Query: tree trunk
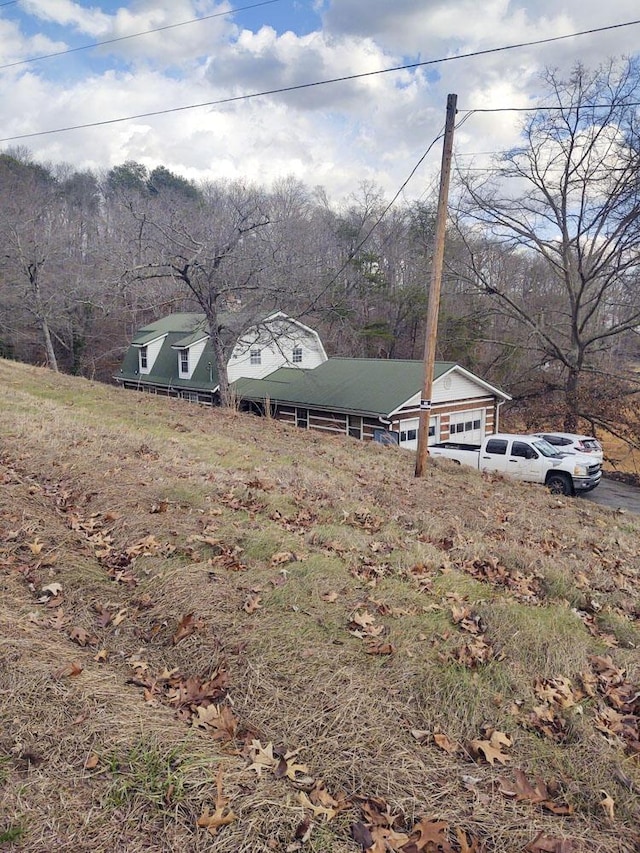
x=220, y=357
x=571, y=398
x=48, y=345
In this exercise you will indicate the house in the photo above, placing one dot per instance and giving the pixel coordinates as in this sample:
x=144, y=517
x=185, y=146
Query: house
x=173, y=355
x=279, y=365
x=377, y=399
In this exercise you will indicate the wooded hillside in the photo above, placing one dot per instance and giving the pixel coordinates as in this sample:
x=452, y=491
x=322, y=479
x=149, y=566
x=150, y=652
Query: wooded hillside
x=540, y=290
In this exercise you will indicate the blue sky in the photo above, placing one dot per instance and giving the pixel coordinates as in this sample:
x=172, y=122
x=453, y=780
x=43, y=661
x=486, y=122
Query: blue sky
x=369, y=131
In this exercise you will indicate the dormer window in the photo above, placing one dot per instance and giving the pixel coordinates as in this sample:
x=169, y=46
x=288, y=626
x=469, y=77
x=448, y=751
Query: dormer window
x=296, y=356
x=183, y=360
x=255, y=356
x=144, y=360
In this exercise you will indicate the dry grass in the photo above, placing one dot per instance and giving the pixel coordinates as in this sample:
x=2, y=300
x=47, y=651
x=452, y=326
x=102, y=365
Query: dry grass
x=276, y=541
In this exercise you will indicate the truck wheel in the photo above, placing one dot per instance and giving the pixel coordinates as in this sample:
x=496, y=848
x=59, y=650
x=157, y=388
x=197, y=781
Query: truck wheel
x=559, y=485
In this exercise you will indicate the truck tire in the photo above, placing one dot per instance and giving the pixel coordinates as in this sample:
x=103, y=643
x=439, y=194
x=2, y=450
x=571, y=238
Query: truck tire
x=559, y=484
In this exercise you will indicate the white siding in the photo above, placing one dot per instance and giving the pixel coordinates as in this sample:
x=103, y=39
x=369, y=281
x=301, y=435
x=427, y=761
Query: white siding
x=195, y=351
x=276, y=345
x=153, y=349
x=453, y=386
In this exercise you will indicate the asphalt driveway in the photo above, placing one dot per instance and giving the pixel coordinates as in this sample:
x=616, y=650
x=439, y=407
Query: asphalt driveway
x=615, y=495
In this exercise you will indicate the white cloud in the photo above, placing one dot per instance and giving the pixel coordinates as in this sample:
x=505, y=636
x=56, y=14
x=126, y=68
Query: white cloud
x=336, y=135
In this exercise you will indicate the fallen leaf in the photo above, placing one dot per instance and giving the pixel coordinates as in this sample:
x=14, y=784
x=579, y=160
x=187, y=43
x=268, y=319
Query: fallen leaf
x=36, y=547
x=120, y=616
x=329, y=597
x=420, y=734
x=81, y=637
x=445, y=743
x=373, y=648
x=283, y=557
x=262, y=757
x=53, y=589
x=491, y=753
x=187, y=626
x=361, y=834
x=252, y=603
x=430, y=832
x=548, y=844
x=222, y=815
x=218, y=720
x=608, y=805
x=70, y=669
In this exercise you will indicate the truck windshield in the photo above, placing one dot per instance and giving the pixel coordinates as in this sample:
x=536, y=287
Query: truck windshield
x=545, y=448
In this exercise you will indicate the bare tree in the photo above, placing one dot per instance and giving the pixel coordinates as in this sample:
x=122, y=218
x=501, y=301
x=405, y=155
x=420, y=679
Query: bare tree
x=217, y=248
x=569, y=195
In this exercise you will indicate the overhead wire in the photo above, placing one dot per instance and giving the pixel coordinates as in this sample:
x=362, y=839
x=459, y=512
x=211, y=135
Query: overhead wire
x=133, y=35
x=328, y=81
x=353, y=253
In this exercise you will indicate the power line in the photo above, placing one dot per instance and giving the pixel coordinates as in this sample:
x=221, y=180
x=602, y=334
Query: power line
x=354, y=252
x=345, y=78
x=544, y=108
x=133, y=35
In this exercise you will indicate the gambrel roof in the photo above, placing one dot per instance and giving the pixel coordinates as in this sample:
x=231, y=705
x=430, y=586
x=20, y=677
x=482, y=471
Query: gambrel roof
x=185, y=330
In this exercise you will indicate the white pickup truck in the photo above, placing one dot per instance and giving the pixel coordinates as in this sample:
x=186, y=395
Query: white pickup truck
x=528, y=458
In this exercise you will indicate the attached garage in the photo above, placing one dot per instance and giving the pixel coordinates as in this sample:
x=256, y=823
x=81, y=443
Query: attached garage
x=377, y=399
x=467, y=427
x=409, y=432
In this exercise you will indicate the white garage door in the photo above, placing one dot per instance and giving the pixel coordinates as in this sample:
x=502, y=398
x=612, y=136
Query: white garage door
x=467, y=426
x=409, y=432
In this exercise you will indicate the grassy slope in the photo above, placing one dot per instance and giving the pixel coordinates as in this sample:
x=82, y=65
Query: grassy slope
x=341, y=600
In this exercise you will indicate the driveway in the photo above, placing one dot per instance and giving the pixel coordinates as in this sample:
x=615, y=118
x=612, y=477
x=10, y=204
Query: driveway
x=615, y=495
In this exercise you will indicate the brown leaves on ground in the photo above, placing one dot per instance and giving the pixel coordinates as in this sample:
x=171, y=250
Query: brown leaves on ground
x=216, y=720
x=492, y=748
x=538, y=794
x=617, y=715
x=184, y=693
x=382, y=830
x=548, y=844
x=523, y=587
x=68, y=670
x=222, y=815
x=187, y=626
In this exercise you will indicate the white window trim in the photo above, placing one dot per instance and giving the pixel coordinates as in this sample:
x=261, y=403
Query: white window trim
x=181, y=371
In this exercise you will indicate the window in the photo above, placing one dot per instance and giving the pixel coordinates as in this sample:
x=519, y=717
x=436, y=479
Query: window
x=302, y=418
x=497, y=446
x=296, y=356
x=144, y=362
x=523, y=450
x=255, y=356
x=409, y=435
x=184, y=361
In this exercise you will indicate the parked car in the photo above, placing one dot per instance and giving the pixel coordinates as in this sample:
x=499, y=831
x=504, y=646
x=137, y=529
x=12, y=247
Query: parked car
x=567, y=442
x=526, y=457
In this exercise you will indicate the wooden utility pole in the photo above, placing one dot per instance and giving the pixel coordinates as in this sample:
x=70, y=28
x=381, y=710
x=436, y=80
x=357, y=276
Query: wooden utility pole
x=434, y=288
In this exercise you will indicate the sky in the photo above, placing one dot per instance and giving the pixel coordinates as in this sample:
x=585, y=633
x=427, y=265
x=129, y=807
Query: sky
x=367, y=132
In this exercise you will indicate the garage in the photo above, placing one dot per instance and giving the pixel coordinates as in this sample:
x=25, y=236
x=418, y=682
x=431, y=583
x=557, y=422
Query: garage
x=467, y=427
x=409, y=432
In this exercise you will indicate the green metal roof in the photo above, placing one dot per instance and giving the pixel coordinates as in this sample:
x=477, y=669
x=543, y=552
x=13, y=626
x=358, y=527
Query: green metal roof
x=172, y=323
x=165, y=368
x=371, y=386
